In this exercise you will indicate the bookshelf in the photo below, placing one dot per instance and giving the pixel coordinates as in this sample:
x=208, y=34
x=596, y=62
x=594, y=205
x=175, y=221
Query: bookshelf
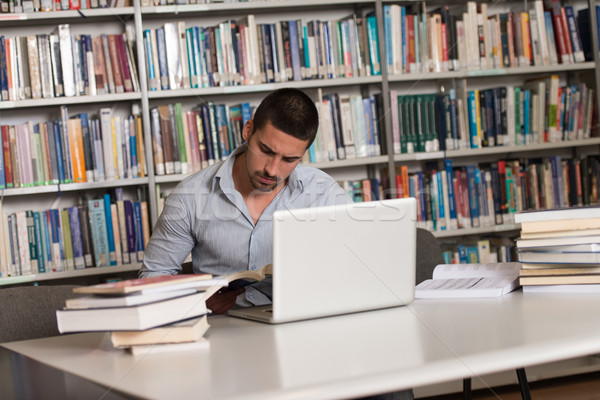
x=141, y=17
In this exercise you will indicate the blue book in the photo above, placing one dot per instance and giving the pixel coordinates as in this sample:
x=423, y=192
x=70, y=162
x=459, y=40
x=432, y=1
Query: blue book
x=451, y=197
x=225, y=145
x=421, y=198
x=472, y=255
x=472, y=110
x=306, y=53
x=47, y=238
x=373, y=43
x=3, y=70
x=440, y=197
x=58, y=253
x=208, y=51
x=526, y=112
x=88, y=149
x=130, y=230
x=473, y=196
x=59, y=153
x=246, y=113
x=162, y=59
x=387, y=29
x=151, y=68
x=99, y=233
x=198, y=51
x=37, y=227
x=312, y=153
x=191, y=53
x=574, y=34
x=112, y=255
x=139, y=232
x=462, y=254
x=295, y=51
x=133, y=153
x=369, y=128
x=329, y=56
x=76, y=237
x=496, y=193
x=207, y=135
x=453, y=117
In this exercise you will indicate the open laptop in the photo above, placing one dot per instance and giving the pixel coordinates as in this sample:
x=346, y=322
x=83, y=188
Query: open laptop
x=340, y=259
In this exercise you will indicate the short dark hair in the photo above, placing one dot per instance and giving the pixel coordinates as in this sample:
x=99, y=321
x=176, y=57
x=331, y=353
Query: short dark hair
x=291, y=111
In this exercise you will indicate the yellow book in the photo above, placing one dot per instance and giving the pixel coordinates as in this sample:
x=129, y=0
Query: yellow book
x=77, y=155
x=525, y=39
x=478, y=114
x=139, y=143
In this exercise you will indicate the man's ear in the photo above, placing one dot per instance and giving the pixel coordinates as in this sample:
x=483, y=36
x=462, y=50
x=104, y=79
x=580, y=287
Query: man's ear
x=247, y=129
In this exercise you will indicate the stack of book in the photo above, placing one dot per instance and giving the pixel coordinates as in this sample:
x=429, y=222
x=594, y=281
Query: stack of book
x=560, y=249
x=142, y=315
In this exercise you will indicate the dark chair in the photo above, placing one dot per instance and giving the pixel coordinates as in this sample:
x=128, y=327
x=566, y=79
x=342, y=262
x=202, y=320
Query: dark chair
x=429, y=254
x=28, y=312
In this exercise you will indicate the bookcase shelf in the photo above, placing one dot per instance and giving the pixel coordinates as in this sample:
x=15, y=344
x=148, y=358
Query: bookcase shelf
x=50, y=276
x=139, y=16
x=72, y=187
x=251, y=6
x=59, y=101
x=64, y=16
x=267, y=87
x=477, y=231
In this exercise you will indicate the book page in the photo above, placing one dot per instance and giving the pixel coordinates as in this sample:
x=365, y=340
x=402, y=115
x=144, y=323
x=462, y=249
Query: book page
x=453, y=271
x=465, y=287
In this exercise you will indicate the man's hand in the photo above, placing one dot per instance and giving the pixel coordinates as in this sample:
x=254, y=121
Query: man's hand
x=223, y=300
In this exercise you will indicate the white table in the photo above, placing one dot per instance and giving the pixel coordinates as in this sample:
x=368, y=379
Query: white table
x=430, y=341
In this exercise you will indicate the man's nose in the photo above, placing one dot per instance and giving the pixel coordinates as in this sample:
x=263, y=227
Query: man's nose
x=272, y=166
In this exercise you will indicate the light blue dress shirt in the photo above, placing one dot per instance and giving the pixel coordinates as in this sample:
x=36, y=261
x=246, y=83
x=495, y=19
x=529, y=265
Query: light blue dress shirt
x=207, y=216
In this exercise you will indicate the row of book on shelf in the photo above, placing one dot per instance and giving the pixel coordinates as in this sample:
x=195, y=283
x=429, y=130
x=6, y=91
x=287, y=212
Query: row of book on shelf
x=541, y=111
x=65, y=64
x=350, y=126
x=481, y=251
x=28, y=6
x=452, y=38
x=77, y=149
x=559, y=250
x=245, y=52
x=491, y=194
x=101, y=232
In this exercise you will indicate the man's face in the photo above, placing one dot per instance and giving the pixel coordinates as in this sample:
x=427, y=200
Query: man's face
x=271, y=156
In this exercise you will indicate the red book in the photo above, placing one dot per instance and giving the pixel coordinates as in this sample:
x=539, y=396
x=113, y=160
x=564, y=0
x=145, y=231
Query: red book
x=566, y=35
x=122, y=49
x=7, y=159
x=193, y=132
x=114, y=61
x=163, y=282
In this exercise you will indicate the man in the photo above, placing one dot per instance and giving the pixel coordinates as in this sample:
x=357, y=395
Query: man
x=222, y=214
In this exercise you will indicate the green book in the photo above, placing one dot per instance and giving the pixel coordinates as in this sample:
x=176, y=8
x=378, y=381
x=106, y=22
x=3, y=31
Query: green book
x=181, y=139
x=68, y=243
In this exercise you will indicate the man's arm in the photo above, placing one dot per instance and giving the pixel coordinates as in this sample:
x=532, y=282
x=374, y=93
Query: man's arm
x=172, y=240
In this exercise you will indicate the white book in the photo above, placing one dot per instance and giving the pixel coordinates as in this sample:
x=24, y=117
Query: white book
x=117, y=126
x=470, y=280
x=45, y=66
x=107, y=143
x=108, y=65
x=542, y=34
x=183, y=55
x=56, y=65
x=147, y=350
x=24, y=256
x=347, y=126
x=34, y=67
x=66, y=59
x=359, y=131
x=173, y=56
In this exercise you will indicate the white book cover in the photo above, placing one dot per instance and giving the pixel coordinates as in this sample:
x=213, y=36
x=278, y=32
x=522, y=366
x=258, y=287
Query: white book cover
x=359, y=131
x=66, y=59
x=107, y=143
x=183, y=54
x=173, y=57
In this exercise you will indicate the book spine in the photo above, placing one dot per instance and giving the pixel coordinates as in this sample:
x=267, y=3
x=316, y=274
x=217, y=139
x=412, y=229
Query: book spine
x=112, y=257
x=77, y=244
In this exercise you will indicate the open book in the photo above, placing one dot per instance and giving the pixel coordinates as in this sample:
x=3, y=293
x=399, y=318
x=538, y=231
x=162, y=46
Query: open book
x=240, y=279
x=470, y=280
